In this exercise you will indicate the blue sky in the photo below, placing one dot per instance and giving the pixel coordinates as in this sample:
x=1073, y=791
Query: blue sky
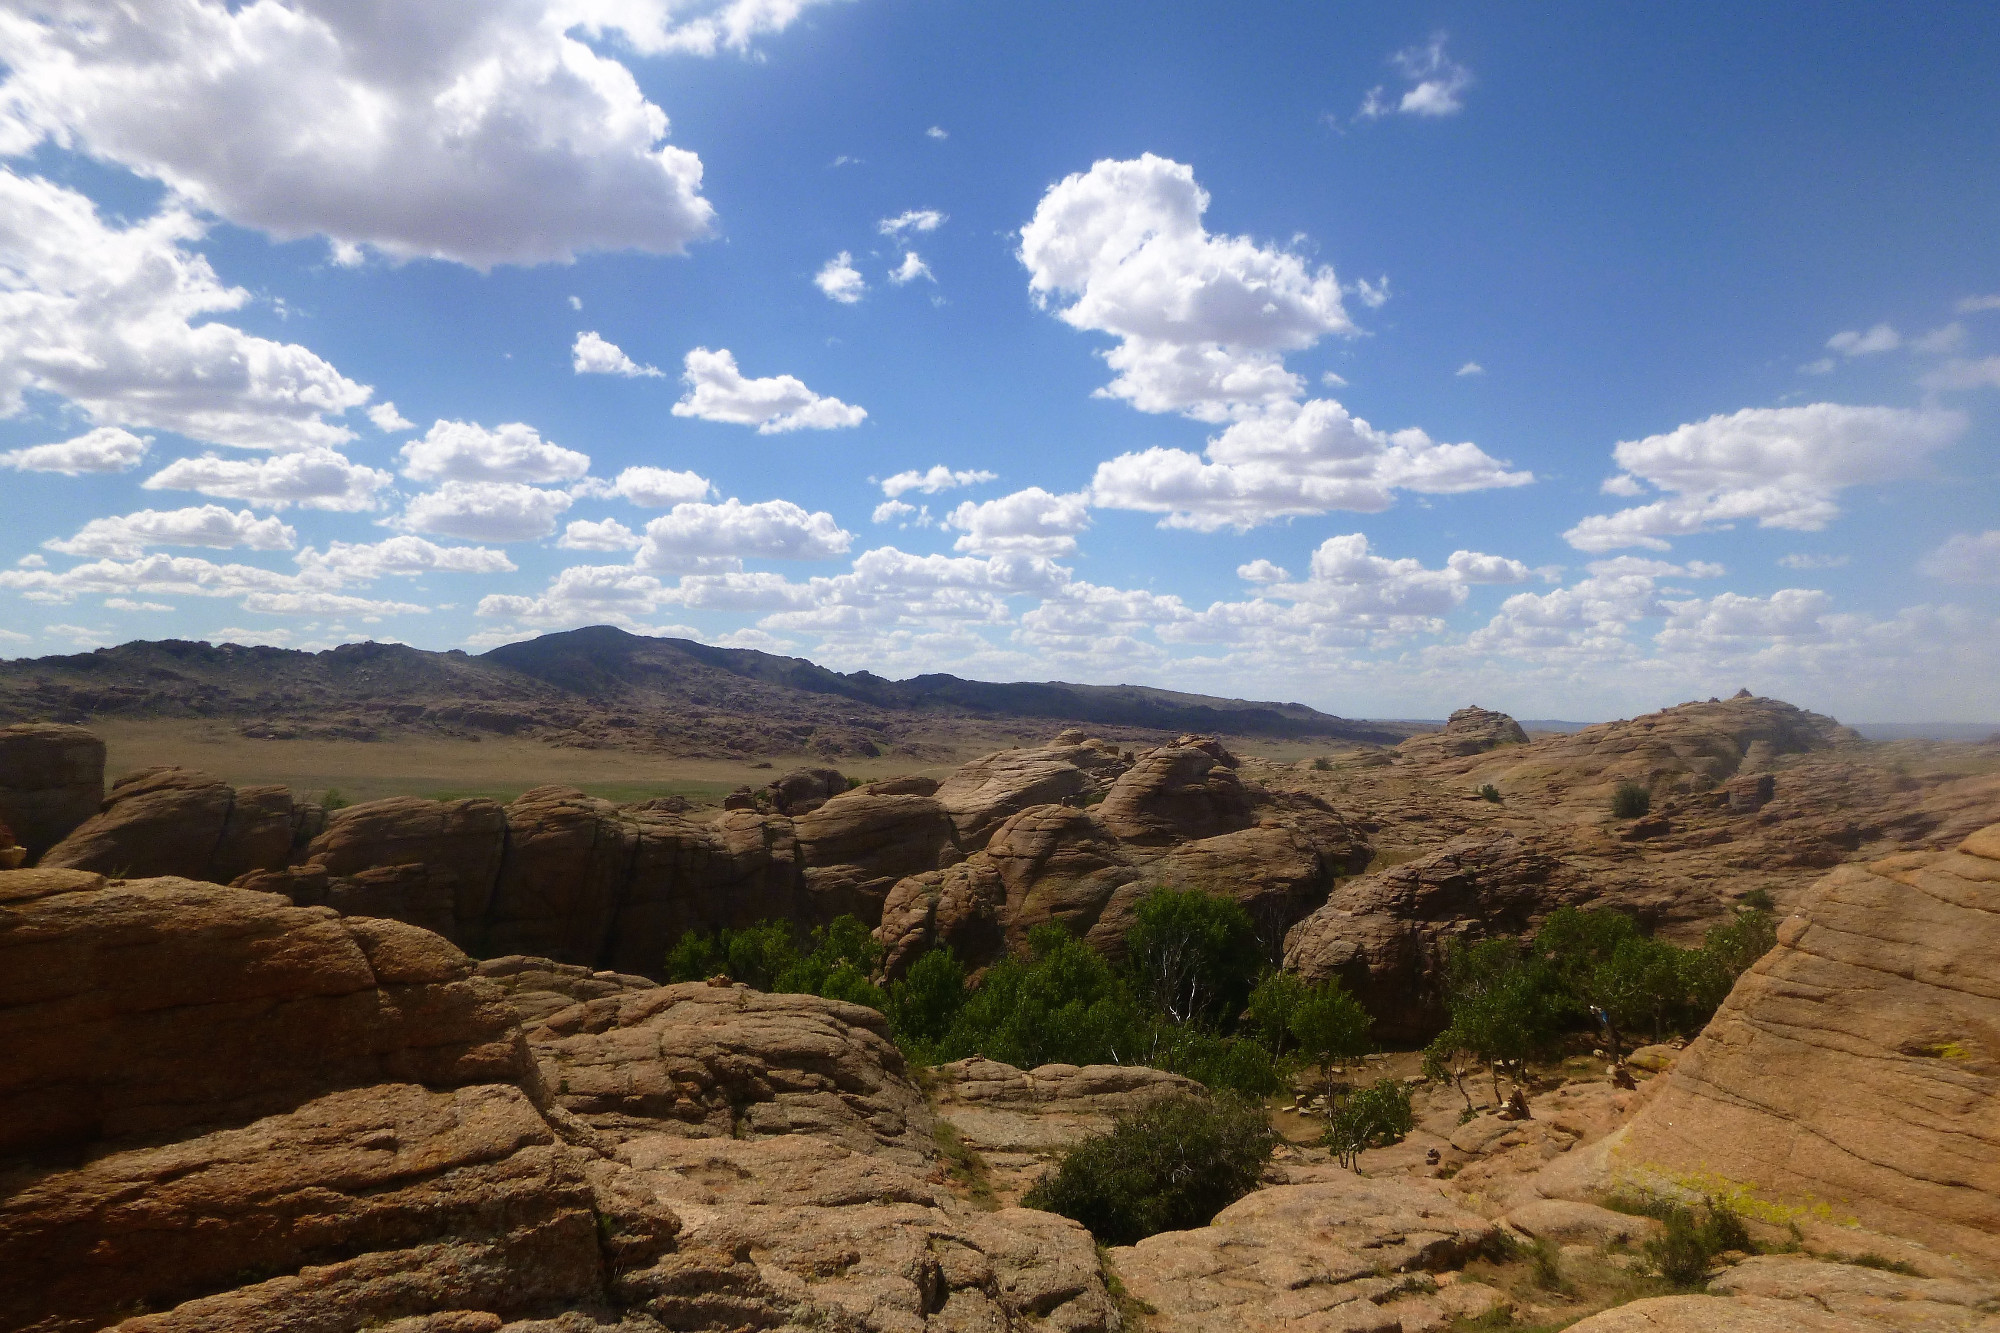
x=1575, y=361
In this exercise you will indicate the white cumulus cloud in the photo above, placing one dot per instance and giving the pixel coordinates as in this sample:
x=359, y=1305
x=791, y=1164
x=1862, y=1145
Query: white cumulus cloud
x=1202, y=320
x=106, y=449
x=722, y=536
x=482, y=133
x=121, y=321
x=1436, y=84
x=605, y=535
x=840, y=280
x=1293, y=459
x=1031, y=521
x=915, y=219
x=593, y=355
x=311, y=478
x=910, y=269
x=1881, y=338
x=1781, y=466
x=405, y=556
x=718, y=391
x=388, y=420
x=491, y=511
x=1966, y=557
x=127, y=536
x=468, y=451
x=658, y=487
x=936, y=478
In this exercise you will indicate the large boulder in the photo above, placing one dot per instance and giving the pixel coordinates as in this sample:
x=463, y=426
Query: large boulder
x=1859, y=1062
x=722, y=1061
x=1472, y=730
x=1329, y=1254
x=857, y=845
x=985, y=793
x=143, y=1006
x=51, y=780
x=181, y=821
x=1176, y=793
x=1384, y=935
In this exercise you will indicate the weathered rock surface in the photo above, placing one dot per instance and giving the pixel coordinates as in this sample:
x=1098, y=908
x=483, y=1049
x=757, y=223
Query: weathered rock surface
x=857, y=845
x=726, y=1061
x=985, y=793
x=245, y=1114
x=1784, y=1293
x=240, y=1114
x=180, y=821
x=1859, y=1062
x=144, y=1006
x=1472, y=730
x=51, y=780
x=1020, y=1120
x=1332, y=1255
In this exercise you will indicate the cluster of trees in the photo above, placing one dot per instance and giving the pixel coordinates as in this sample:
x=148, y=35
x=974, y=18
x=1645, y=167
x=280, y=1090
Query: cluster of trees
x=1196, y=995
x=1513, y=1000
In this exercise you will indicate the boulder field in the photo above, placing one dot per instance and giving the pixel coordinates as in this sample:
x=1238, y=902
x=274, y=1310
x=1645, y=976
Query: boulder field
x=225, y=1112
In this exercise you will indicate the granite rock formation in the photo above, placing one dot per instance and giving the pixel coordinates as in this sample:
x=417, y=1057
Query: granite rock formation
x=1858, y=1064
x=224, y=1112
x=1471, y=730
x=51, y=780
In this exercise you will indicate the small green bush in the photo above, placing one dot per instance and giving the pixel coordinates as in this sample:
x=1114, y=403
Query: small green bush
x=1689, y=1243
x=1168, y=1166
x=1322, y=765
x=1371, y=1117
x=1489, y=792
x=1545, y=1262
x=333, y=800
x=925, y=1002
x=1630, y=801
x=1271, y=1005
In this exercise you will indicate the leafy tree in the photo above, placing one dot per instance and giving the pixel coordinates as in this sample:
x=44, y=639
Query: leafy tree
x=843, y=959
x=1225, y=1063
x=1271, y=1006
x=1192, y=953
x=924, y=1002
x=1331, y=1028
x=1168, y=1166
x=756, y=955
x=1505, y=1008
x=1728, y=950
x=1061, y=1004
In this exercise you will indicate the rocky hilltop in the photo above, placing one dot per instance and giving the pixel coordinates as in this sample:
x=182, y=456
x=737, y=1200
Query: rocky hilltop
x=601, y=687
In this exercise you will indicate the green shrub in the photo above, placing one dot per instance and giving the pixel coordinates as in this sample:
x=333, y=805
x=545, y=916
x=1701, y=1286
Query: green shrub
x=1506, y=1007
x=1223, y=1063
x=1331, y=1027
x=1630, y=801
x=1168, y=1166
x=1688, y=1244
x=1371, y=1117
x=756, y=955
x=1322, y=765
x=1489, y=792
x=1545, y=1263
x=1679, y=1251
x=333, y=800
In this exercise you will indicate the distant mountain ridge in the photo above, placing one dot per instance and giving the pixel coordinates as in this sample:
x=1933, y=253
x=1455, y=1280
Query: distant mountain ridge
x=604, y=686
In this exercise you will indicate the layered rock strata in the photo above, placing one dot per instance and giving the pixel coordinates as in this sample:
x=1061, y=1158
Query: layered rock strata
x=1858, y=1064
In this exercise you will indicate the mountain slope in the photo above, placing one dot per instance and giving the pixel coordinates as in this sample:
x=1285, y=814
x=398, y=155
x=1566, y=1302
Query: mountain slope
x=604, y=687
